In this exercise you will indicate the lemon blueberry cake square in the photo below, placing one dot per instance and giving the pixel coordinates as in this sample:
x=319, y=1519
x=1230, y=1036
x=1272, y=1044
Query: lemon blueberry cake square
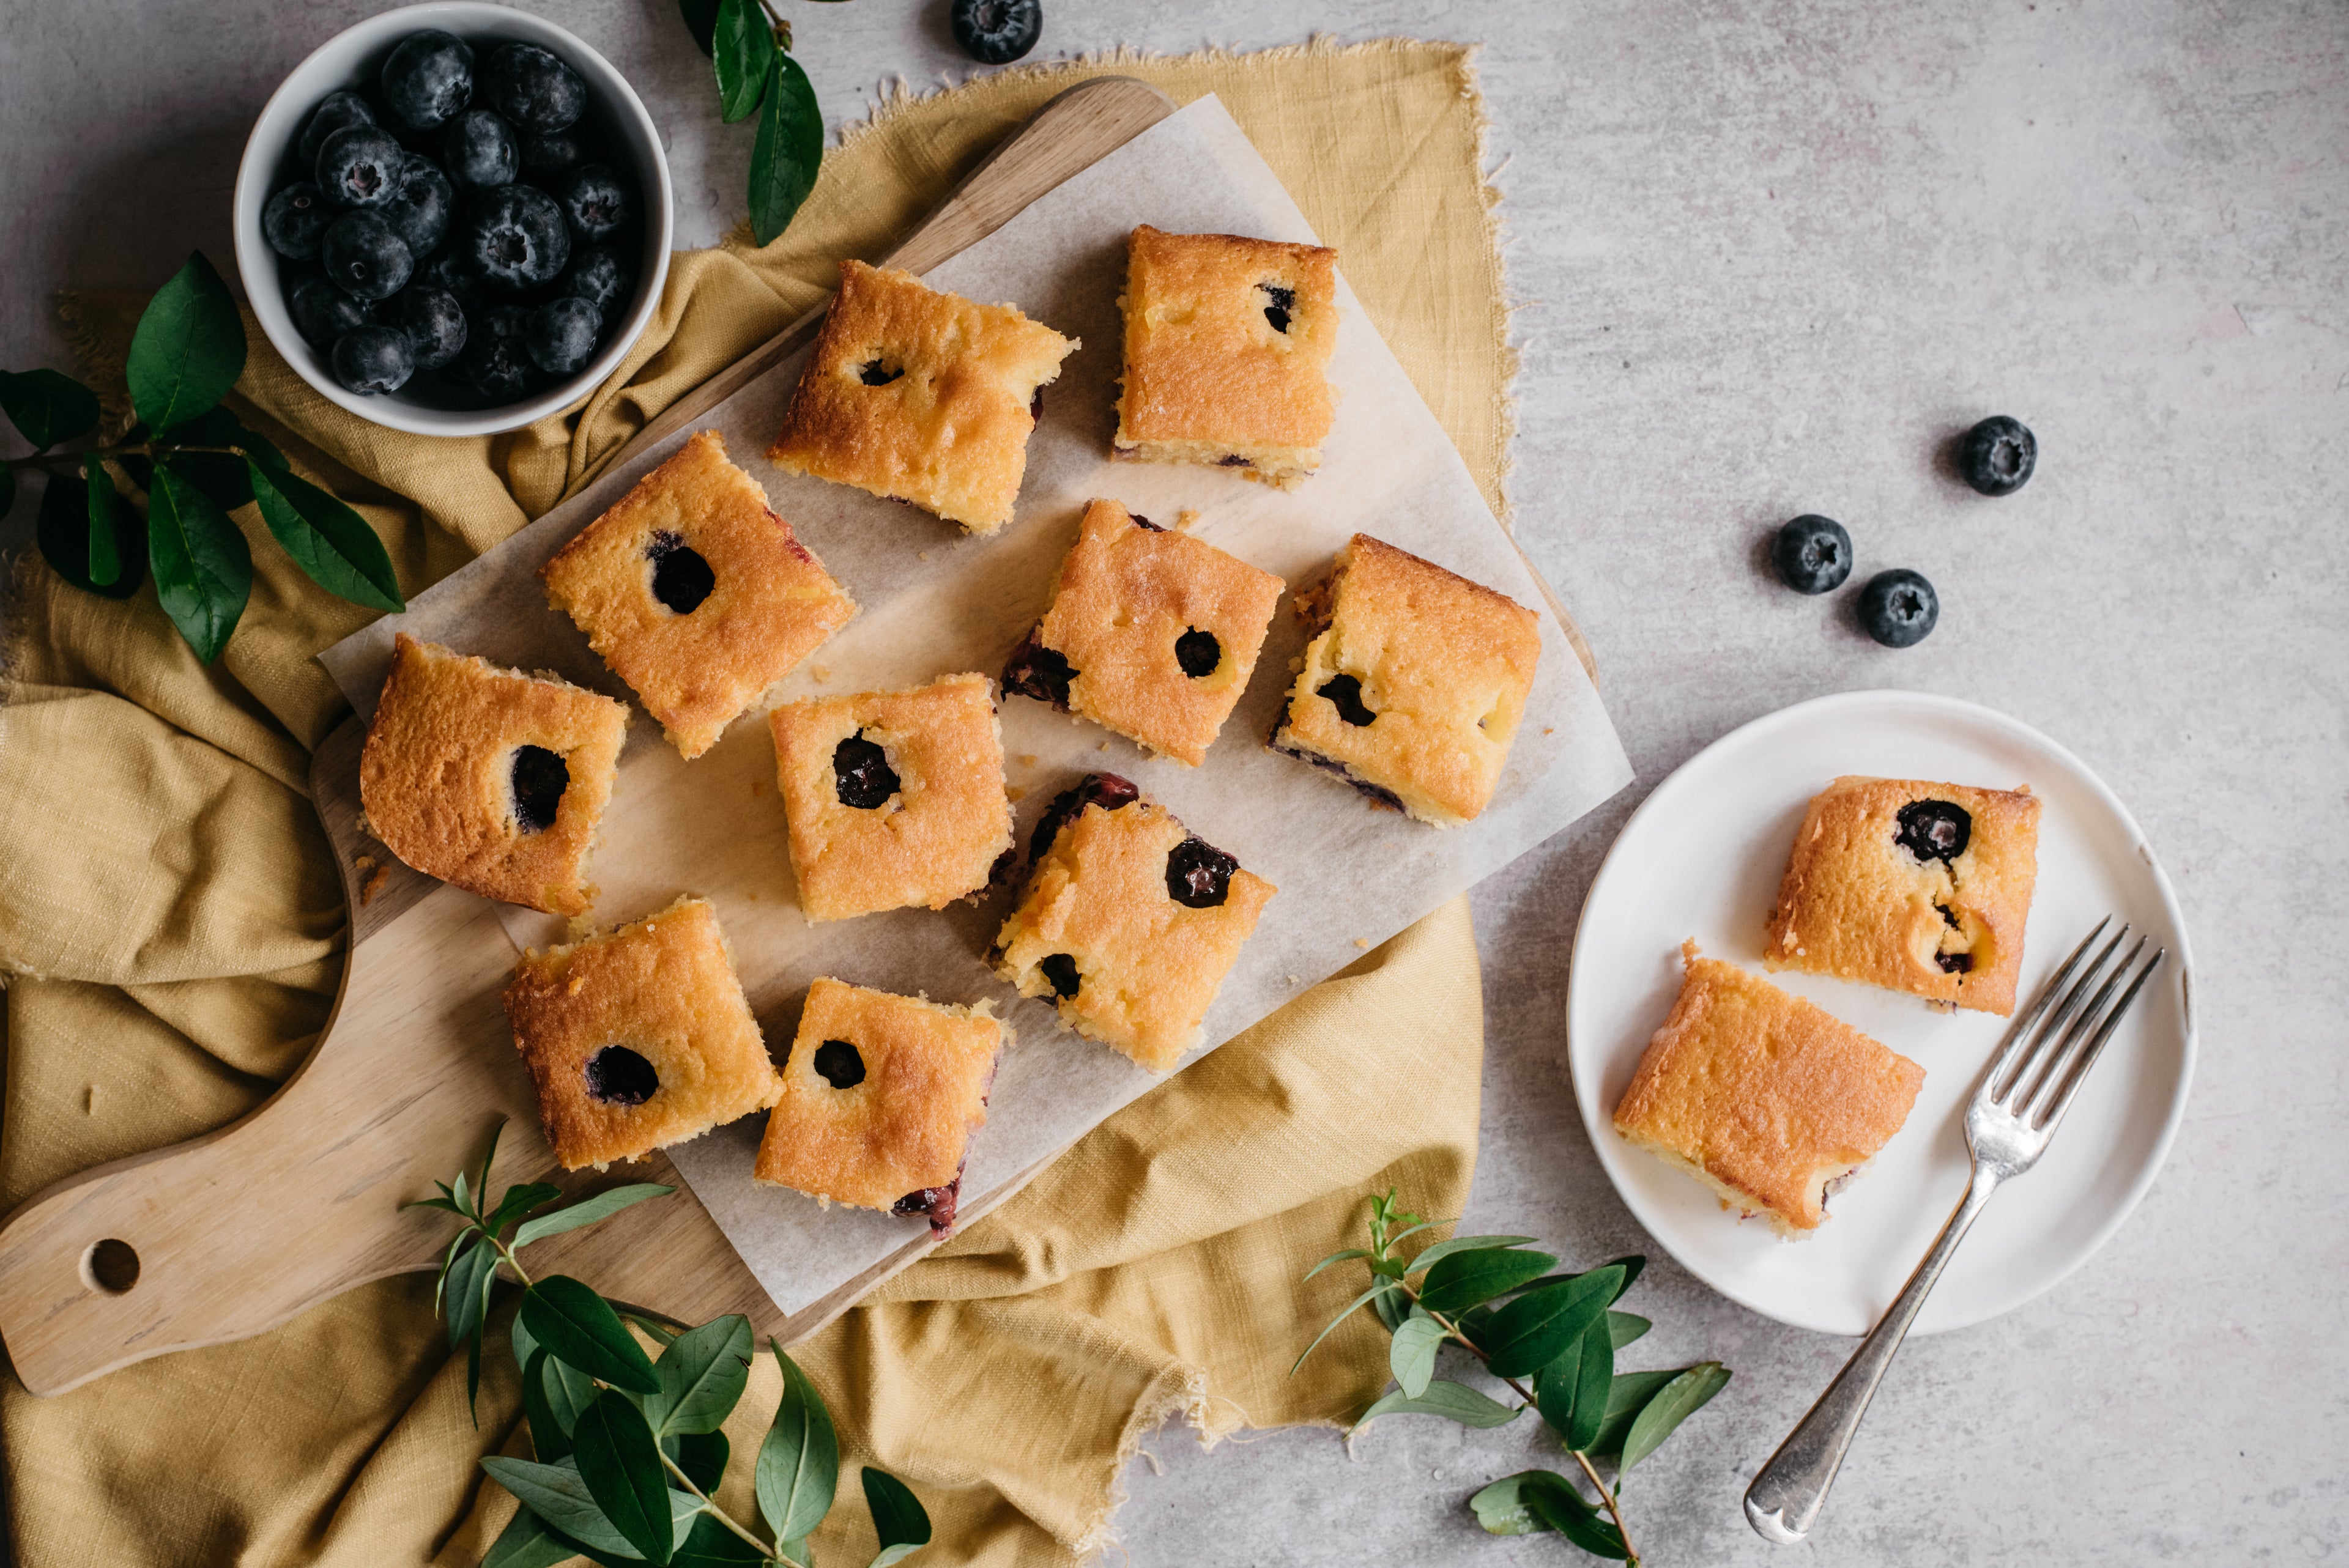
x=1413, y=683
x=1766, y=1098
x=1129, y=922
x=489, y=778
x=638, y=1038
x=1150, y=633
x=696, y=593
x=1227, y=344
x=881, y=1095
x=1913, y=886
x=920, y=396
x=893, y=797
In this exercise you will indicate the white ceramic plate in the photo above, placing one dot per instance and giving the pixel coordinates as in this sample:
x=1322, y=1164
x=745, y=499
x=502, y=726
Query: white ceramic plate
x=1702, y=857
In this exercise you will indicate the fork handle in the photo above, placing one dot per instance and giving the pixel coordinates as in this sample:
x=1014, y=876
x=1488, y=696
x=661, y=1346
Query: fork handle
x=1784, y=1500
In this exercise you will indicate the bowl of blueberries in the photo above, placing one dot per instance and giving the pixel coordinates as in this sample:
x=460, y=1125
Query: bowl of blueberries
x=453, y=219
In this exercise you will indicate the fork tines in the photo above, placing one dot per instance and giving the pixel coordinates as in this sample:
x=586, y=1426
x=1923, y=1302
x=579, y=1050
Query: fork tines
x=2049, y=1050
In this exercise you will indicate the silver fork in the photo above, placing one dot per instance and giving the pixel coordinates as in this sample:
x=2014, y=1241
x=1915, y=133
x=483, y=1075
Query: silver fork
x=2031, y=1083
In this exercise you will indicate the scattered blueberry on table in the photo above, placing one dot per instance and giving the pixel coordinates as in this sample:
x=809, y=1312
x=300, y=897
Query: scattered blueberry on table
x=997, y=32
x=1996, y=456
x=1812, y=553
x=1898, y=608
x=452, y=221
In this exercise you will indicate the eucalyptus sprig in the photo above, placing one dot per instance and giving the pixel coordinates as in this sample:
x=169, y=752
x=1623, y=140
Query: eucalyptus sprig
x=1551, y=1338
x=751, y=46
x=629, y=1447
x=189, y=463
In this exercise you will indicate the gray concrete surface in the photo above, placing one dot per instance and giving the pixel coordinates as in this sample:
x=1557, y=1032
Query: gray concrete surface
x=1769, y=258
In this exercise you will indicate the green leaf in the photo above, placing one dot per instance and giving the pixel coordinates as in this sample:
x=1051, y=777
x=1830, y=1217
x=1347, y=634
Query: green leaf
x=744, y=46
x=188, y=349
x=1351, y=1252
x=468, y=1291
x=1391, y=1305
x=1350, y=1308
x=703, y=1457
x=581, y=1328
x=203, y=568
x=1452, y=1401
x=48, y=406
x=1626, y=1398
x=63, y=529
x=789, y=146
x=702, y=1376
x=662, y=1332
x=587, y=1210
x=1631, y=1265
x=550, y=1422
x=621, y=1464
x=1623, y=1327
x=898, y=1516
x=1679, y=1399
x=799, y=1462
x=332, y=543
x=1536, y=1328
x=520, y=1200
x=1502, y=1507
x=1566, y=1511
x=1412, y=1357
x=526, y=1543
x=1594, y=1375
x=1471, y=1278
x=445, y=1205
x=700, y=20
x=1458, y=1244
x=710, y=1544
x=558, y=1495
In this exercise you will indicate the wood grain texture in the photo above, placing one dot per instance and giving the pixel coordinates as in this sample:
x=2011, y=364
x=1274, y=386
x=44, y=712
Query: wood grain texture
x=239, y=1231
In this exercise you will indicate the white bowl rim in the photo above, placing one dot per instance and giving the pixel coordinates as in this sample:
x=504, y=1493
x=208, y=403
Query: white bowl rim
x=256, y=264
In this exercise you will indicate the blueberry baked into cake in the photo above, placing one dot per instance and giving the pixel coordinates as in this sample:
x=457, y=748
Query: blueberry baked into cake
x=638, y=1038
x=489, y=778
x=1129, y=922
x=920, y=396
x=696, y=593
x=881, y=1095
x=893, y=797
x=1766, y=1098
x=1227, y=344
x=1412, y=685
x=1913, y=886
x=1150, y=633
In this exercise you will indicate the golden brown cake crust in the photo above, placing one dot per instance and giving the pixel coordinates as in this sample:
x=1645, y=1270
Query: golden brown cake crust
x=908, y=1125
x=1443, y=664
x=663, y=988
x=937, y=838
x=950, y=433
x=771, y=603
x=1762, y=1094
x=436, y=777
x=1149, y=967
x=1207, y=375
x=1126, y=595
x=1855, y=905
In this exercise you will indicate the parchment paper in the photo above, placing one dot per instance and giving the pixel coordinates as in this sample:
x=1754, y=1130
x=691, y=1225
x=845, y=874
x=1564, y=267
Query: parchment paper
x=935, y=602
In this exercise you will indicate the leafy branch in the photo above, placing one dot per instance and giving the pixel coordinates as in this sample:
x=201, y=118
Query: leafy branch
x=629, y=1447
x=191, y=463
x=749, y=44
x=1551, y=1338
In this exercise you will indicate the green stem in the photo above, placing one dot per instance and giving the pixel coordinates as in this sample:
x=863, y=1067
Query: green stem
x=70, y=462
x=513, y=1262
x=722, y=1517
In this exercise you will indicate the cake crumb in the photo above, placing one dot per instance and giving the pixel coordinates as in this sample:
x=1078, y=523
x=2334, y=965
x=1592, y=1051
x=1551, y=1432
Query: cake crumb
x=1549, y=730
x=373, y=884
x=1027, y=759
x=89, y=1100
x=1292, y=979
x=819, y=673
x=1102, y=746
x=1362, y=941
x=1185, y=518
x=1014, y=793
x=921, y=555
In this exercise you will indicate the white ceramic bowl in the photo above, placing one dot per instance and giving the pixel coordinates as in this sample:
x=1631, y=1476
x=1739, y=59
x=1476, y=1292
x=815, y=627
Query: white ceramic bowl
x=354, y=57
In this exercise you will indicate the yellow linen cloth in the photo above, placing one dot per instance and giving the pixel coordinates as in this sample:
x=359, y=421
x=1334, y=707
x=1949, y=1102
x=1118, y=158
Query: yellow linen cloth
x=171, y=928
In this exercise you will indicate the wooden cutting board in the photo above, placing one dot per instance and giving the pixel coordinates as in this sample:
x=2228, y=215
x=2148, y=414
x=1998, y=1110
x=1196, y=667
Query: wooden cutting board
x=229, y=1234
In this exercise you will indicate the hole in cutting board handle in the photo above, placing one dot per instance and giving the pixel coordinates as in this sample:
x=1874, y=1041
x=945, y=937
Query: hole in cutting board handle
x=111, y=1266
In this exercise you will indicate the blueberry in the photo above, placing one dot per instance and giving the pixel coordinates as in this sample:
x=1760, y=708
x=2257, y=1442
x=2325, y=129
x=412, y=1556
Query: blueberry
x=360, y=166
x=997, y=32
x=1198, y=653
x=1061, y=969
x=338, y=112
x=371, y=359
x=561, y=336
x=842, y=1065
x=364, y=257
x=878, y=372
x=481, y=149
x=1345, y=694
x=1996, y=456
x=494, y=359
x=596, y=201
x=1283, y=305
x=1198, y=874
x=1899, y=608
x=428, y=78
x=618, y=1076
x=293, y=220
x=1037, y=671
x=532, y=89
x=418, y=210
x=515, y=236
x=547, y=156
x=445, y=271
x=1813, y=554
x=597, y=276
x=1935, y=830
x=323, y=313
x=435, y=324
x=860, y=774
x=540, y=777
x=682, y=580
